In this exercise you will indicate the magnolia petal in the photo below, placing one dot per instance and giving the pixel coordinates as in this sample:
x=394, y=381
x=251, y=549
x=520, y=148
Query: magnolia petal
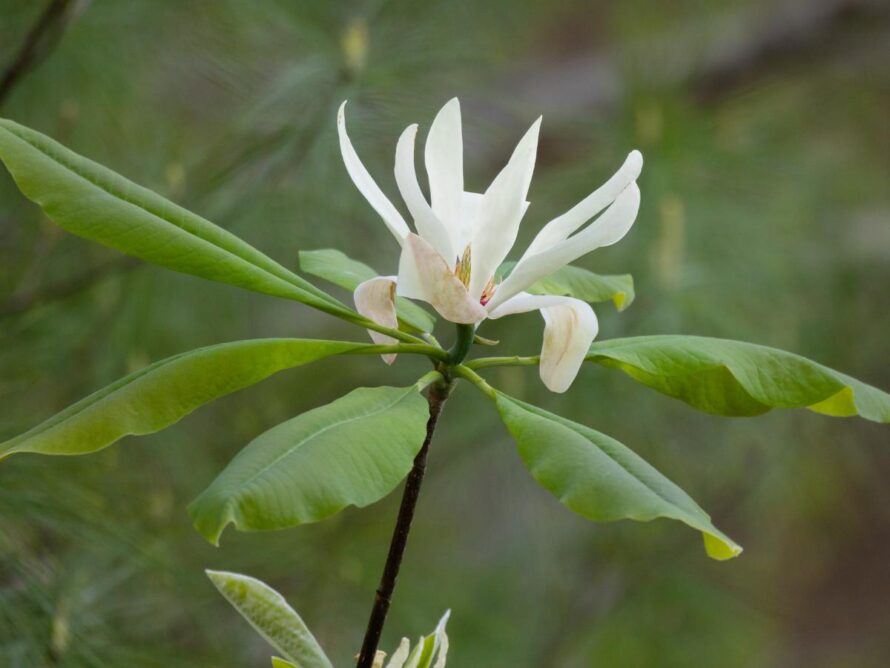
x=570, y=327
x=462, y=233
x=561, y=227
x=366, y=184
x=375, y=299
x=442, y=641
x=425, y=220
x=444, y=159
x=423, y=274
x=525, y=302
x=501, y=209
x=606, y=230
x=400, y=655
x=569, y=330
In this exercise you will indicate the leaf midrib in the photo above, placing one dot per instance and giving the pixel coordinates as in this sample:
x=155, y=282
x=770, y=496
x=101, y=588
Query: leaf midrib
x=623, y=467
x=252, y=479
x=91, y=400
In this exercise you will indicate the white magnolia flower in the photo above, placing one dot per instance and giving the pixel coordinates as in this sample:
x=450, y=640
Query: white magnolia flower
x=462, y=238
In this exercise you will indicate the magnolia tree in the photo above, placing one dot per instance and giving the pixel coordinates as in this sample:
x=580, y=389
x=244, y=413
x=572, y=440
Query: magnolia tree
x=356, y=449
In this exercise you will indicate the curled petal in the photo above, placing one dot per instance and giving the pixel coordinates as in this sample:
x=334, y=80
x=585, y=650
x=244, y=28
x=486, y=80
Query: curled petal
x=423, y=274
x=501, y=210
x=606, y=230
x=375, y=299
x=428, y=224
x=444, y=159
x=569, y=330
x=561, y=227
x=366, y=184
x=570, y=325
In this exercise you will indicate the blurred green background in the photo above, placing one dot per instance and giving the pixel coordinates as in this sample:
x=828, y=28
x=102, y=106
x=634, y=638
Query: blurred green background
x=765, y=217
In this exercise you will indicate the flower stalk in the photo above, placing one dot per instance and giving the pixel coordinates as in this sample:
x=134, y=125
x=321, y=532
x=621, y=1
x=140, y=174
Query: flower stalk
x=461, y=347
x=513, y=360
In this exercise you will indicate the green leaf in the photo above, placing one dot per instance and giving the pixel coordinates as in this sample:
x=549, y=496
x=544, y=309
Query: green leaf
x=164, y=392
x=337, y=268
x=422, y=653
x=272, y=617
x=598, y=477
x=582, y=284
x=352, y=451
x=735, y=378
x=92, y=201
x=278, y=662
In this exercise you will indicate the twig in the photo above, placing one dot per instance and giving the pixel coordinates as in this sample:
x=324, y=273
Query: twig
x=24, y=301
x=730, y=49
x=437, y=396
x=38, y=44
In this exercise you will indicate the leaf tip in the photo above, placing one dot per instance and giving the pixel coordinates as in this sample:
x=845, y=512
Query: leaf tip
x=210, y=522
x=218, y=577
x=720, y=547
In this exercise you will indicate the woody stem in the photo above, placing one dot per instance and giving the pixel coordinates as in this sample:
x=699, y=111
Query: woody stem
x=437, y=395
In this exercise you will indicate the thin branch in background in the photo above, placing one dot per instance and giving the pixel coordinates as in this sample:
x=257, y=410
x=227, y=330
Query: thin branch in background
x=25, y=301
x=797, y=34
x=38, y=44
x=731, y=50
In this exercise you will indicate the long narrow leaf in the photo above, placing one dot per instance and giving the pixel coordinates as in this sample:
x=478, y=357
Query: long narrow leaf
x=272, y=617
x=352, y=451
x=735, y=378
x=160, y=394
x=598, y=477
x=94, y=202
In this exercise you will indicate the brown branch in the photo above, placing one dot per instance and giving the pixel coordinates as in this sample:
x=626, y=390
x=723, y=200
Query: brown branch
x=437, y=396
x=38, y=44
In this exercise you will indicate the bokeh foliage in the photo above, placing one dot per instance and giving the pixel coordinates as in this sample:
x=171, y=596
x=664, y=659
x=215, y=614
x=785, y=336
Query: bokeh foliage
x=765, y=217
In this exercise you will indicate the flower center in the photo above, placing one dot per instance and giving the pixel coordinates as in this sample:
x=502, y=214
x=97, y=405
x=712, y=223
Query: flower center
x=462, y=271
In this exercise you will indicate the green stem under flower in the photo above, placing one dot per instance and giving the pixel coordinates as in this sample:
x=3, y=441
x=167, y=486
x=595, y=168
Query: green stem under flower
x=465, y=372
x=461, y=347
x=515, y=360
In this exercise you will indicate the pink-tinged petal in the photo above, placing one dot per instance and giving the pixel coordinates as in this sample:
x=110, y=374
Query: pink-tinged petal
x=423, y=274
x=425, y=220
x=501, y=210
x=608, y=229
x=366, y=184
x=444, y=159
x=561, y=227
x=375, y=299
x=569, y=329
